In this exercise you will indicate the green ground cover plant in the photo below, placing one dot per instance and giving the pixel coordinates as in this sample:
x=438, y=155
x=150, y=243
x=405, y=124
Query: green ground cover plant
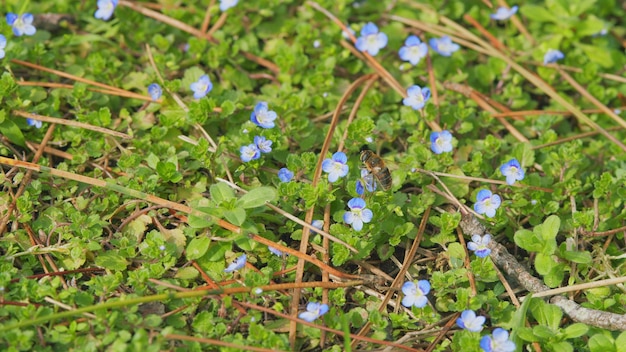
x=313, y=175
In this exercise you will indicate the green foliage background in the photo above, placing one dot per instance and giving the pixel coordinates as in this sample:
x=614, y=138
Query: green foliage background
x=81, y=226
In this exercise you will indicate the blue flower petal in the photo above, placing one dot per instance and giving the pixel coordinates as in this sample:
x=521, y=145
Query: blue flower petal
x=227, y=4
x=237, y=264
x=155, y=91
x=285, y=175
x=552, y=56
x=504, y=13
x=370, y=40
x=201, y=87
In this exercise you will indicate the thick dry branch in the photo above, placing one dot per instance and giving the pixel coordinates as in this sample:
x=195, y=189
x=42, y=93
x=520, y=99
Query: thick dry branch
x=504, y=260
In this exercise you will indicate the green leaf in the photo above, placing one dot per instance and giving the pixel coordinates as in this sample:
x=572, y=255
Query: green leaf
x=340, y=254
x=235, y=216
x=458, y=187
x=601, y=343
x=543, y=332
x=546, y=234
x=527, y=240
x=538, y=13
x=199, y=221
x=257, y=197
x=12, y=132
x=550, y=227
x=562, y=346
x=526, y=334
x=524, y=154
x=167, y=171
x=152, y=160
x=518, y=323
x=172, y=117
x=112, y=261
x=197, y=247
x=620, y=342
x=449, y=221
x=403, y=229
x=228, y=107
x=601, y=56
x=457, y=255
x=555, y=276
x=187, y=273
x=544, y=263
x=546, y=314
x=576, y=330
x=578, y=257
x=577, y=8
x=137, y=227
x=589, y=26
x=217, y=251
x=221, y=192
x=245, y=243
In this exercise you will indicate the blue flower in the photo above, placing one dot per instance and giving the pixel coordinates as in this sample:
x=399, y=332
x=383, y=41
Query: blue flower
x=105, y=9
x=264, y=145
x=336, y=167
x=345, y=34
x=318, y=224
x=498, y=343
x=3, y=44
x=441, y=142
x=552, y=56
x=155, y=91
x=416, y=97
x=262, y=116
x=35, y=123
x=368, y=179
x=503, y=13
x=487, y=203
x=202, y=87
x=314, y=310
x=413, y=50
x=370, y=40
x=470, y=322
x=444, y=45
x=285, y=175
x=226, y=4
x=21, y=24
x=275, y=251
x=358, y=214
x=237, y=264
x=249, y=152
x=415, y=293
x=513, y=171
x=602, y=32
x=479, y=245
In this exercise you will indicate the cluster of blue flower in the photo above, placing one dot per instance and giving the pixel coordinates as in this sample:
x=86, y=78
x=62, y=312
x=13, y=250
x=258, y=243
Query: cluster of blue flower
x=201, y=87
x=370, y=41
x=486, y=202
x=498, y=341
x=413, y=51
x=263, y=117
x=107, y=7
x=20, y=25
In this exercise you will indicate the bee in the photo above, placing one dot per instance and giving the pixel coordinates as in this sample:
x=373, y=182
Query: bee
x=376, y=166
